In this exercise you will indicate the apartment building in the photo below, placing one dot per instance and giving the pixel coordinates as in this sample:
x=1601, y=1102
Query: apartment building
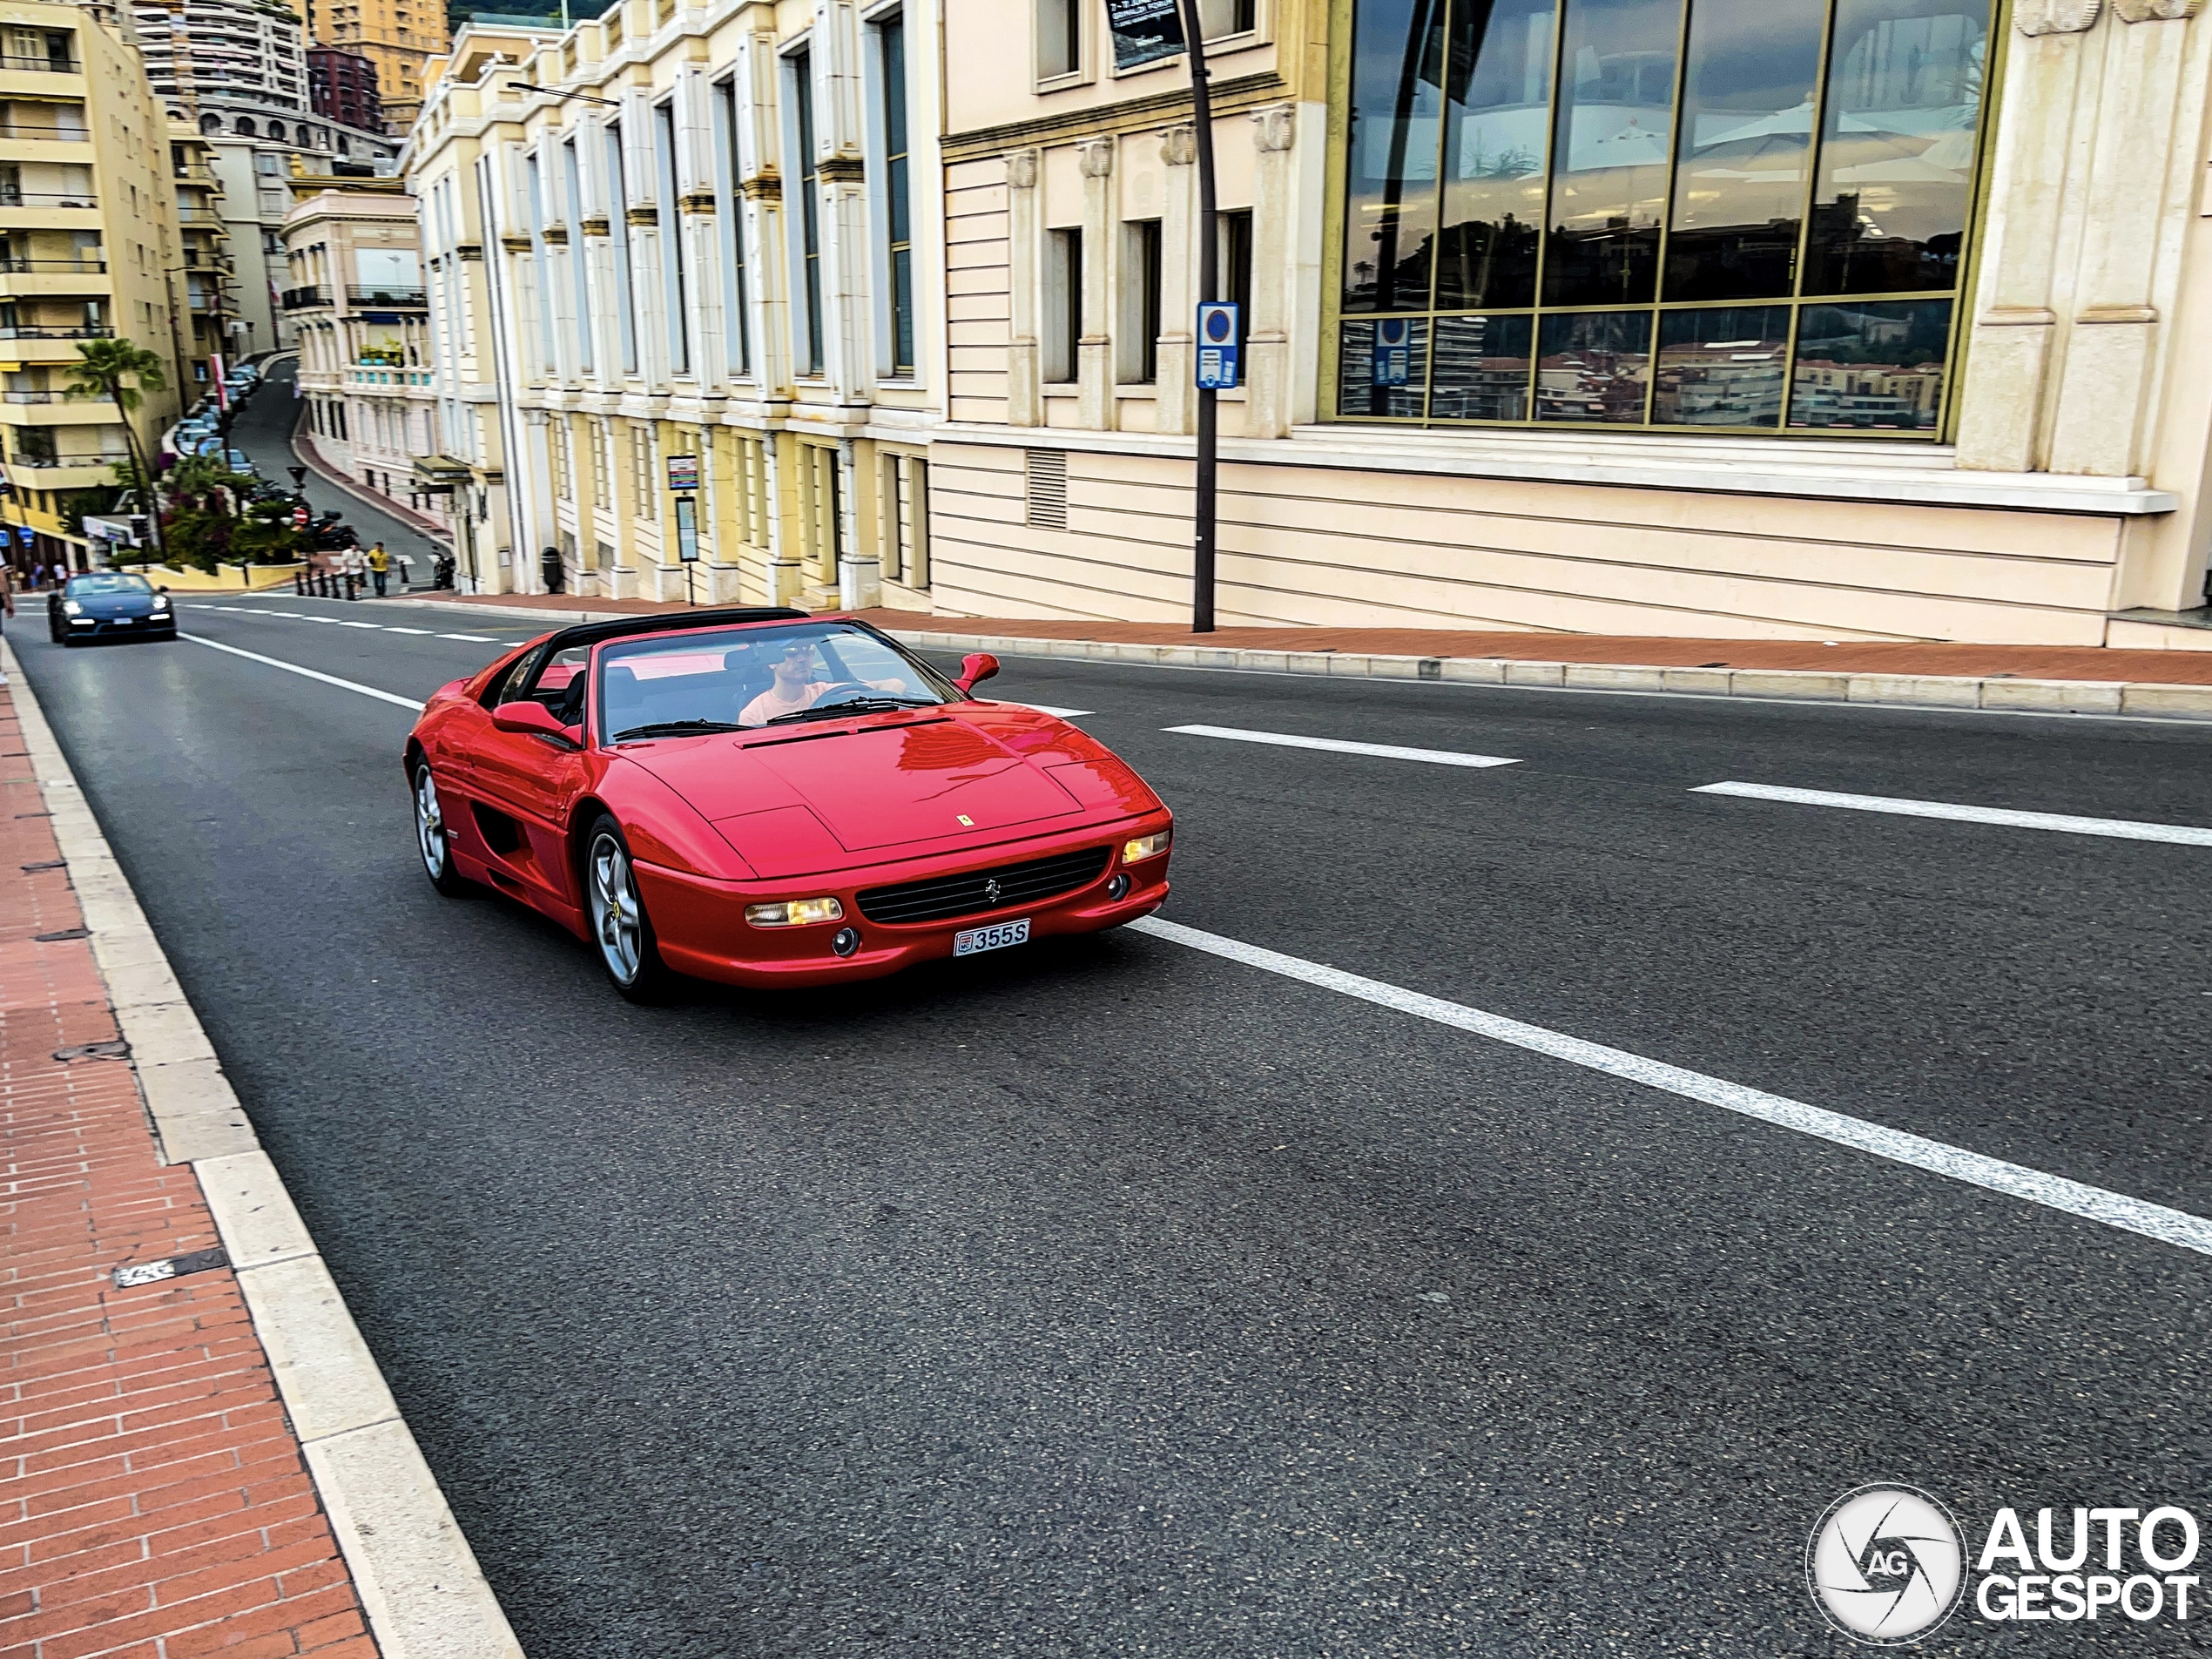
x=1863, y=321
x=89, y=250
x=209, y=324
x=356, y=303
x=674, y=239
x=342, y=84
x=399, y=37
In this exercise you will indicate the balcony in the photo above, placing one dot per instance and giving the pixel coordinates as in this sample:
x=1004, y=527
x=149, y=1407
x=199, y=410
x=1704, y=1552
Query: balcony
x=302, y=298
x=379, y=375
x=48, y=64
x=60, y=331
x=64, y=472
x=46, y=199
x=13, y=265
x=405, y=299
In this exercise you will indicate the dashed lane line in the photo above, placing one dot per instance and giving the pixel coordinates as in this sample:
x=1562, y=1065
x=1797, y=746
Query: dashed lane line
x=1387, y=751
x=306, y=673
x=2175, y=1227
x=2119, y=828
x=481, y=639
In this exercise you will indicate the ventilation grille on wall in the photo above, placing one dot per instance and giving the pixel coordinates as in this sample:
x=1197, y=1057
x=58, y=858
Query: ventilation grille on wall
x=1048, y=489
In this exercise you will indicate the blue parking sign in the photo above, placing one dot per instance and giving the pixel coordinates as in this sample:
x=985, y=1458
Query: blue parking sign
x=1217, y=349
x=1393, y=352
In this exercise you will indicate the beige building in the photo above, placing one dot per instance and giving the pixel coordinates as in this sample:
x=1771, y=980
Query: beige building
x=356, y=302
x=1862, y=321
x=89, y=250
x=712, y=242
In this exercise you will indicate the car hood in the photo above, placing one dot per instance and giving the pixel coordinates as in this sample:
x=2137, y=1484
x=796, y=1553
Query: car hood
x=114, y=605
x=818, y=798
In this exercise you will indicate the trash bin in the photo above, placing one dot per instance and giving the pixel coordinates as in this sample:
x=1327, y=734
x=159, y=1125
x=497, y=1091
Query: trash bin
x=549, y=565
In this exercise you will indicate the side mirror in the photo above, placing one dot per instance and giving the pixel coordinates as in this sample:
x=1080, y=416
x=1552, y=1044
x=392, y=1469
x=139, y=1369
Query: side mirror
x=975, y=669
x=164, y=587
x=537, y=721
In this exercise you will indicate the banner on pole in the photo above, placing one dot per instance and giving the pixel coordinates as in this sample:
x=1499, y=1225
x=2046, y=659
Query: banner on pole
x=1393, y=351
x=683, y=472
x=687, y=529
x=1217, y=348
x=1145, y=31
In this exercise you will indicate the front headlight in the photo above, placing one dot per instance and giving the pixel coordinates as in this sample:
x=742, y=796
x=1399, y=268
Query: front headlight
x=1144, y=846
x=71, y=608
x=161, y=602
x=794, y=913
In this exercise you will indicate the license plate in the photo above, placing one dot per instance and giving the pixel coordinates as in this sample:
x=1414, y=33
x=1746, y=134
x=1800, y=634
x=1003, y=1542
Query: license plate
x=997, y=937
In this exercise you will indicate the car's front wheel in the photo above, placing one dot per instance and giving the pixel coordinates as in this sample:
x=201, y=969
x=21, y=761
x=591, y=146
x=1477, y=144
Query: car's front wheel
x=54, y=629
x=621, y=931
x=431, y=838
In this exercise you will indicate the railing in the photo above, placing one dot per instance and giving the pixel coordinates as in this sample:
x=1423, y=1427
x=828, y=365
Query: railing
x=76, y=331
x=65, y=461
x=382, y=376
x=47, y=397
x=89, y=265
x=44, y=129
x=190, y=214
x=46, y=199
x=57, y=65
x=361, y=296
x=299, y=298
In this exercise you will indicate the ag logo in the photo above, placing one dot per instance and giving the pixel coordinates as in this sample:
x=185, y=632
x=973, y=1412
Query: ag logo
x=1887, y=1564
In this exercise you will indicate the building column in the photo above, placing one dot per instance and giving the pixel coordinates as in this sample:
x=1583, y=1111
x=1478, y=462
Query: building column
x=1175, y=405
x=1267, y=367
x=1102, y=222
x=1024, y=259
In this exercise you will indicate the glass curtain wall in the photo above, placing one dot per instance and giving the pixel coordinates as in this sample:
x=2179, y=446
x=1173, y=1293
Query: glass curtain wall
x=1743, y=215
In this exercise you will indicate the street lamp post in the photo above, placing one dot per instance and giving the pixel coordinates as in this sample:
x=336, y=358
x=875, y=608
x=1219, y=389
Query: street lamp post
x=1204, y=505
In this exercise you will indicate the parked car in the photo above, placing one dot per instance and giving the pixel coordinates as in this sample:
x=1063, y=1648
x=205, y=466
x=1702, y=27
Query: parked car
x=769, y=798
x=106, y=604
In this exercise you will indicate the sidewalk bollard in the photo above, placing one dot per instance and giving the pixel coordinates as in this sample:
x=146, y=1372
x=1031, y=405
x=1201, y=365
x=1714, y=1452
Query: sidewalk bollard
x=300, y=581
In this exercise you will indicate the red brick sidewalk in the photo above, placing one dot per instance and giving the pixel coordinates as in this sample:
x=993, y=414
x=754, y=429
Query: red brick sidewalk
x=153, y=1502
x=2023, y=662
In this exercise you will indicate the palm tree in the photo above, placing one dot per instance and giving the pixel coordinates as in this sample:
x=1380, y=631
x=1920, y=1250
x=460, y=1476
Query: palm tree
x=106, y=366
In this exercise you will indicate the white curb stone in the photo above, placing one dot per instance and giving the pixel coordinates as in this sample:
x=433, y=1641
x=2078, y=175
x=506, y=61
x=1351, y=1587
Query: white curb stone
x=419, y=1583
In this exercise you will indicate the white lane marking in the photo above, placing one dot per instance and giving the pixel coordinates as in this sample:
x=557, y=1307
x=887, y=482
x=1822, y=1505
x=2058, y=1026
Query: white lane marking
x=1043, y=708
x=2014, y=1180
x=1387, y=751
x=2119, y=828
x=342, y=623
x=479, y=639
x=389, y=629
x=309, y=673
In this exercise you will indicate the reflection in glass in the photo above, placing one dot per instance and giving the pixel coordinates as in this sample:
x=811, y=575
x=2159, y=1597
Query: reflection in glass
x=1896, y=154
x=1594, y=365
x=1382, y=366
x=1609, y=150
x=1481, y=369
x=1724, y=366
x=1397, y=105
x=1741, y=152
x=1495, y=127
x=1871, y=365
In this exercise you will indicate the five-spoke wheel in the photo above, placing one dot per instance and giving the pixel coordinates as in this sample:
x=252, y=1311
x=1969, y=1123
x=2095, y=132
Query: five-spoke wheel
x=430, y=837
x=620, y=928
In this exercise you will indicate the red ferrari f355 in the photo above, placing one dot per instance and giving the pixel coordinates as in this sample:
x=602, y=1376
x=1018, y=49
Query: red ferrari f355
x=765, y=798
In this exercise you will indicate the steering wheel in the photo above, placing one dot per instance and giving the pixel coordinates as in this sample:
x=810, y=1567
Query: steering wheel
x=821, y=693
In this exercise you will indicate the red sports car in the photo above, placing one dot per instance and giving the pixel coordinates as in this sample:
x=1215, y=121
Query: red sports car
x=766, y=797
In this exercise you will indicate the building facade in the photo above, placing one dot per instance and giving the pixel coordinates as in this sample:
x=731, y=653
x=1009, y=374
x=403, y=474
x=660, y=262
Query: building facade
x=342, y=84
x=357, y=307
x=1863, y=321
x=713, y=242
x=89, y=250
x=399, y=37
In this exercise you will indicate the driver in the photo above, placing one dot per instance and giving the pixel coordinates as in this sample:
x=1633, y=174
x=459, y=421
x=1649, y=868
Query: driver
x=796, y=688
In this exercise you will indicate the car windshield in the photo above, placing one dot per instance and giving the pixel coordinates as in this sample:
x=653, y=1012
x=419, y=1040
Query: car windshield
x=107, y=582
x=742, y=678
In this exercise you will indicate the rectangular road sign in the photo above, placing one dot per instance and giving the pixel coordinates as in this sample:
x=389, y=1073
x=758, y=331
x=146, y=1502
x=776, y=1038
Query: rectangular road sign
x=1220, y=334
x=682, y=472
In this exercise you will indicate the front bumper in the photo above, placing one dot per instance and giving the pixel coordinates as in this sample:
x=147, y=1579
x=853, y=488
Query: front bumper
x=705, y=935
x=112, y=627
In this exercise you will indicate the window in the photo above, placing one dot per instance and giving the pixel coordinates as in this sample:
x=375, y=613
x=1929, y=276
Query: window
x=1140, y=329
x=1223, y=17
x=618, y=208
x=902, y=518
x=1060, y=41
x=644, y=497
x=1236, y=267
x=579, y=265
x=820, y=527
x=750, y=471
x=809, y=213
x=1063, y=304
x=898, y=206
x=675, y=281
x=1742, y=214
x=540, y=296
x=730, y=219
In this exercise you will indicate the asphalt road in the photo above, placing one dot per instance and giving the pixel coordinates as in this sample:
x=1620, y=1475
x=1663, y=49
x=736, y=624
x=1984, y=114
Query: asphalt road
x=1112, y=1299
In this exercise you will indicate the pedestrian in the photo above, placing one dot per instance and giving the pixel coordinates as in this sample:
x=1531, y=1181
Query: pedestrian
x=7, y=601
x=37, y=576
x=380, y=566
x=356, y=571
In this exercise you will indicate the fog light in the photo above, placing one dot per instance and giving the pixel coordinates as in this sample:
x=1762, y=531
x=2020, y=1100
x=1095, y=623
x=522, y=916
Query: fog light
x=845, y=941
x=1118, y=886
x=794, y=913
x=1144, y=846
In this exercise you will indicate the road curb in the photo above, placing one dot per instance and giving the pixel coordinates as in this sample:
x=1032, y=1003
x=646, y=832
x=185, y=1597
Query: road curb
x=2005, y=693
x=419, y=1583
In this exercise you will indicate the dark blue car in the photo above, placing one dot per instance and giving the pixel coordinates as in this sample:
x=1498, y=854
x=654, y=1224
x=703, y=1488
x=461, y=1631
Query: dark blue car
x=103, y=604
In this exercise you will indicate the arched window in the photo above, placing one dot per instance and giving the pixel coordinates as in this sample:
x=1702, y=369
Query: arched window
x=245, y=127
x=276, y=131
x=209, y=122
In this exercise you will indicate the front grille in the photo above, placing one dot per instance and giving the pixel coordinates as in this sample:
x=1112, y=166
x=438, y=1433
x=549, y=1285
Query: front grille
x=966, y=895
